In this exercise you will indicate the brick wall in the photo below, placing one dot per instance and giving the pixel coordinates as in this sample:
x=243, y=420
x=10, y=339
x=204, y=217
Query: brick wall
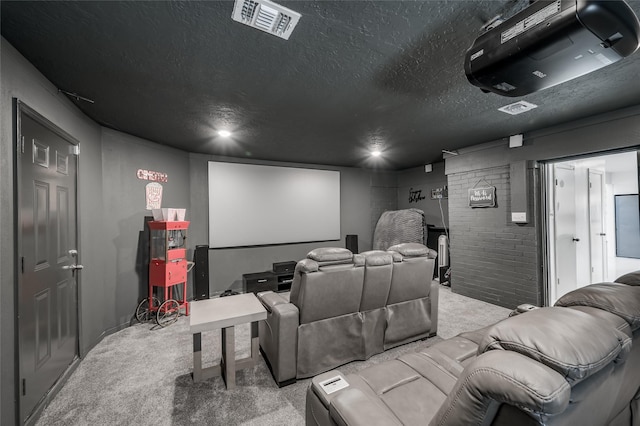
x=492, y=259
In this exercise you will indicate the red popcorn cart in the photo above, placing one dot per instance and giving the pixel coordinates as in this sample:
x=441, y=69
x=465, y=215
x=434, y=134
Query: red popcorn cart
x=168, y=268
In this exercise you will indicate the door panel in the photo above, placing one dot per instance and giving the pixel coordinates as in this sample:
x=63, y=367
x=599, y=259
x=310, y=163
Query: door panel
x=47, y=288
x=596, y=227
x=565, y=226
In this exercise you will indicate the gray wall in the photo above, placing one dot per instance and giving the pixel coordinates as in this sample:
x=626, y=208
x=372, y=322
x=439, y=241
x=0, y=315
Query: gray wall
x=360, y=191
x=493, y=259
x=125, y=206
x=416, y=179
x=18, y=78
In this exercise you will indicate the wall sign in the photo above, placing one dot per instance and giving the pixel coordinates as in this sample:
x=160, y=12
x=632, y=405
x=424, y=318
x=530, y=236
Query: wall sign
x=152, y=176
x=153, y=193
x=415, y=195
x=482, y=197
x=437, y=193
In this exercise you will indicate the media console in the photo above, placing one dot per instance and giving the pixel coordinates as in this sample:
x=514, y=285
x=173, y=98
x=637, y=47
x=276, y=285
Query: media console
x=267, y=281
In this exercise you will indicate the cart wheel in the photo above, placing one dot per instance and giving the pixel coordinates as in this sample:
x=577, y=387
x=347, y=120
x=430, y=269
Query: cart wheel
x=168, y=313
x=144, y=311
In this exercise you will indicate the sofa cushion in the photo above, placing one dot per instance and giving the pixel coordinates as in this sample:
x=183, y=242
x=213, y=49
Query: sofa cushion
x=377, y=258
x=330, y=254
x=632, y=278
x=410, y=249
x=358, y=260
x=620, y=299
x=556, y=337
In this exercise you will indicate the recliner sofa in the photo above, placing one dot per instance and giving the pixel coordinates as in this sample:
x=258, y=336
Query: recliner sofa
x=577, y=363
x=344, y=307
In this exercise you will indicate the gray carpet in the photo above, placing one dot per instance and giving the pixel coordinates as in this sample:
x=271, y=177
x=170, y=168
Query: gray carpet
x=141, y=375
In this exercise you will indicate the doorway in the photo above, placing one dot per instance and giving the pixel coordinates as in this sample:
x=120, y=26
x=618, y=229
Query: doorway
x=580, y=216
x=47, y=280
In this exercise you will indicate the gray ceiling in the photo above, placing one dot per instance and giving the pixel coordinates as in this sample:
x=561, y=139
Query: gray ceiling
x=353, y=74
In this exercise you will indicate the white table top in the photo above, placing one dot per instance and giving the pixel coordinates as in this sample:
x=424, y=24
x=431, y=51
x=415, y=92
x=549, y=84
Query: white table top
x=222, y=312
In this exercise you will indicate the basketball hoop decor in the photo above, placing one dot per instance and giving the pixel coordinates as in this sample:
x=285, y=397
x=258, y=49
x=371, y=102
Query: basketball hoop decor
x=153, y=192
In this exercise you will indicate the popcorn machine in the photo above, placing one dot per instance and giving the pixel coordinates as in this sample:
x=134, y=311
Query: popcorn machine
x=167, y=269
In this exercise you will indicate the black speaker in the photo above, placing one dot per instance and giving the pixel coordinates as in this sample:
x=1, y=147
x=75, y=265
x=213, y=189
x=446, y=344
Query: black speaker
x=284, y=267
x=201, y=274
x=351, y=242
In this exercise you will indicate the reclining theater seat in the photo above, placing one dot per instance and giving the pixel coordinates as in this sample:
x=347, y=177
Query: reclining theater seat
x=322, y=310
x=339, y=309
x=412, y=304
x=377, y=282
x=577, y=363
x=327, y=295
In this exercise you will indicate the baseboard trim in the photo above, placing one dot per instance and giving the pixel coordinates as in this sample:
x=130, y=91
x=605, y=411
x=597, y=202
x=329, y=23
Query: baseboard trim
x=51, y=394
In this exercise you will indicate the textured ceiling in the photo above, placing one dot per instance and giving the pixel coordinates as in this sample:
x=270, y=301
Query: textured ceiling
x=353, y=74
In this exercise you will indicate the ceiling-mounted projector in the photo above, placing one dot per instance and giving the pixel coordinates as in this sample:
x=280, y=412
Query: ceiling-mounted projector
x=551, y=42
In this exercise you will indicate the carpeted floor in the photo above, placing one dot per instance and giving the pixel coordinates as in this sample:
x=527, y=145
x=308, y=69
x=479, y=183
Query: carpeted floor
x=141, y=375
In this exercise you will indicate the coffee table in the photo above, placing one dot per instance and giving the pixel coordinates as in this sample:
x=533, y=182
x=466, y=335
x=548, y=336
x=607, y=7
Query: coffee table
x=225, y=313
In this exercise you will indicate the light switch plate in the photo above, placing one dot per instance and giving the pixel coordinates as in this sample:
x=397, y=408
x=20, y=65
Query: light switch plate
x=519, y=217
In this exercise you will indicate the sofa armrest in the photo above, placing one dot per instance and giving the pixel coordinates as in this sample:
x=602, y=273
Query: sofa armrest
x=354, y=407
x=507, y=377
x=279, y=337
x=323, y=386
x=269, y=299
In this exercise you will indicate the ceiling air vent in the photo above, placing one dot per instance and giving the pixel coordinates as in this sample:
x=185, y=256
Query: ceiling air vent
x=266, y=16
x=518, y=107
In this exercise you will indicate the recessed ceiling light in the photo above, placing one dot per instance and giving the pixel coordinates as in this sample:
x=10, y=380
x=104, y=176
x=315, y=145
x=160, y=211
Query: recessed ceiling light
x=224, y=133
x=376, y=153
x=518, y=107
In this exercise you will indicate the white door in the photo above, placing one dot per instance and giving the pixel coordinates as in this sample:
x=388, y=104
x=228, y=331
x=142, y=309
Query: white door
x=597, y=233
x=565, y=230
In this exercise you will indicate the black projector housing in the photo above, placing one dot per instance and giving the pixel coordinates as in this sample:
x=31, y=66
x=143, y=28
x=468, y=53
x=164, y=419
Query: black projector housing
x=551, y=42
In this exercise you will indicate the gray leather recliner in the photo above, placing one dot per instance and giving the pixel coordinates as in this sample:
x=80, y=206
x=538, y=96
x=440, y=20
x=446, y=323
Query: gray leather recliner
x=345, y=307
x=577, y=363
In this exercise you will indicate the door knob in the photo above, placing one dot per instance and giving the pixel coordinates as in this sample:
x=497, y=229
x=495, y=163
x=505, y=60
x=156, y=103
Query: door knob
x=73, y=267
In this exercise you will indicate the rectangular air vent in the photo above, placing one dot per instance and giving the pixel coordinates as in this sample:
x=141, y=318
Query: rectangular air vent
x=266, y=16
x=518, y=107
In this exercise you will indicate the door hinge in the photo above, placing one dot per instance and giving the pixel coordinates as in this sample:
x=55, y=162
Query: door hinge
x=22, y=264
x=558, y=281
x=556, y=181
x=24, y=387
x=21, y=145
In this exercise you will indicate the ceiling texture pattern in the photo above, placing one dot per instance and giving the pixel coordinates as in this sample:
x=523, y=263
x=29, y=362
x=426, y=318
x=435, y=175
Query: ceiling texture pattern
x=353, y=75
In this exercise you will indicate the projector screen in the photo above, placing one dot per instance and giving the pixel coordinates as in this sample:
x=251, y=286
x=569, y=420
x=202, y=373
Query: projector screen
x=252, y=205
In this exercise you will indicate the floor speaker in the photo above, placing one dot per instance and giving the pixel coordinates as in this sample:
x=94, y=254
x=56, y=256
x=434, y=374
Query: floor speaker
x=201, y=273
x=351, y=242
